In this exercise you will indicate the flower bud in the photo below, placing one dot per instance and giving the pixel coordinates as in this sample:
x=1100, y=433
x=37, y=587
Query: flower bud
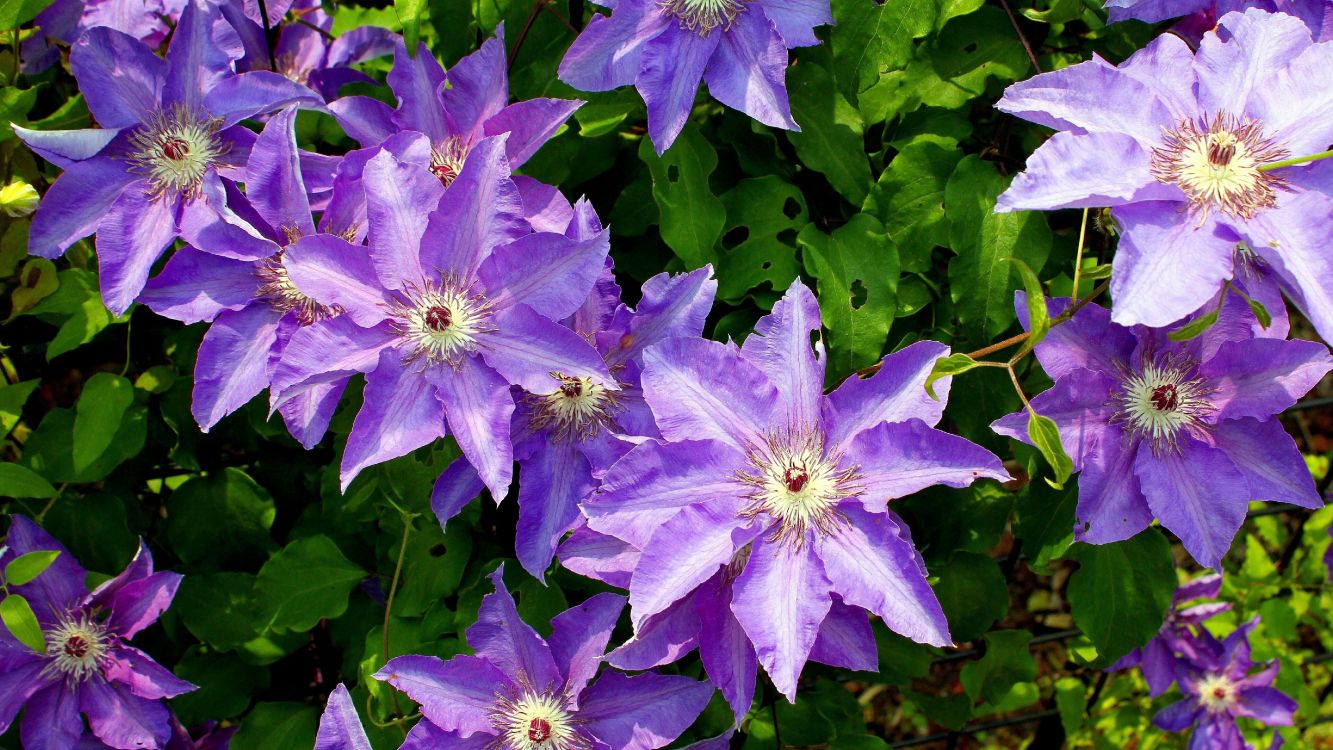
x=18, y=198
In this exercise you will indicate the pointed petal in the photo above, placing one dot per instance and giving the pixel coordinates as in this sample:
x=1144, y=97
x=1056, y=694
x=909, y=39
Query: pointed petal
x=1233, y=65
x=326, y=351
x=478, y=88
x=478, y=405
x=554, y=479
x=579, y=636
x=203, y=46
x=399, y=199
x=121, y=79
x=76, y=203
x=525, y=348
x=121, y=719
x=195, y=286
x=672, y=66
x=144, y=677
x=530, y=124
x=796, y=19
x=233, y=362
x=1166, y=265
x=672, y=305
x=872, y=564
x=568, y=270
x=661, y=639
x=130, y=238
x=749, y=70
x=1268, y=457
x=1088, y=341
x=51, y=719
x=1092, y=97
x=456, y=486
x=726, y=652
x=400, y=414
x=65, y=147
x=456, y=696
x=1299, y=233
x=1261, y=377
x=780, y=599
x=61, y=586
x=481, y=209
x=895, y=393
x=273, y=176
x=780, y=347
x=1197, y=493
x=337, y=273
x=899, y=458
x=138, y=604
x=702, y=389
x=1268, y=705
x=339, y=726
x=367, y=121
x=1085, y=170
x=500, y=637
x=599, y=556
x=20, y=682
x=1111, y=505
x=846, y=640
x=307, y=414
x=643, y=712
x=609, y=51
x=416, y=81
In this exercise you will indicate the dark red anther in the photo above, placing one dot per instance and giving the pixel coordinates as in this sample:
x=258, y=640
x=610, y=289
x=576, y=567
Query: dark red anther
x=1165, y=398
x=571, y=388
x=175, y=148
x=76, y=647
x=1221, y=154
x=439, y=318
x=539, y=730
x=445, y=173
x=795, y=478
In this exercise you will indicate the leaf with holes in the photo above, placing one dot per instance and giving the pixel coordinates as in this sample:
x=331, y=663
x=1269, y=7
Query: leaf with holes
x=308, y=580
x=856, y=272
x=692, y=216
x=759, y=246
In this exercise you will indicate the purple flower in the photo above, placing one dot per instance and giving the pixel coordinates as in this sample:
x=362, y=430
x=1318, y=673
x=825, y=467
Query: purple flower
x=568, y=434
x=666, y=47
x=455, y=111
x=782, y=492
x=1200, y=16
x=1219, y=688
x=306, y=51
x=340, y=727
x=1157, y=659
x=169, y=134
x=454, y=303
x=1183, y=432
x=1177, y=143
x=89, y=666
x=149, y=21
x=205, y=737
x=520, y=692
x=253, y=305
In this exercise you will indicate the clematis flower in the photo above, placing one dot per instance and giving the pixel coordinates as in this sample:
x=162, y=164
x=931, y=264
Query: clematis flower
x=253, y=305
x=1180, y=145
x=88, y=667
x=567, y=435
x=1184, y=432
x=1157, y=659
x=782, y=492
x=454, y=110
x=666, y=47
x=169, y=135
x=339, y=726
x=1200, y=16
x=521, y=692
x=61, y=22
x=1219, y=688
x=454, y=303
x=206, y=737
x=306, y=51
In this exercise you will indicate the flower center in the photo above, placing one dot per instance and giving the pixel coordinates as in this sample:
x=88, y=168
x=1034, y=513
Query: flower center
x=292, y=70
x=1217, y=693
x=702, y=16
x=174, y=149
x=792, y=481
x=1217, y=166
x=76, y=648
x=578, y=407
x=530, y=720
x=1163, y=400
x=446, y=160
x=440, y=322
x=277, y=288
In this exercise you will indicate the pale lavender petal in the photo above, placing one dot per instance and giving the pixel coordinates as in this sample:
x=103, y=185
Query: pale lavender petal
x=526, y=348
x=144, y=677
x=273, y=177
x=481, y=209
x=749, y=69
x=669, y=570
x=609, y=51
x=846, y=640
x=478, y=406
x=599, y=556
x=780, y=599
x=529, y=124
x=478, y=89
x=704, y=390
x=399, y=199
x=400, y=414
x=336, y=273
x=796, y=19
x=327, y=351
x=1198, y=494
x=121, y=79
x=872, y=564
x=368, y=121
x=544, y=206
x=652, y=482
x=307, y=414
x=219, y=220
x=566, y=270
x=1300, y=232
x=1233, y=67
x=1085, y=170
x=65, y=147
x=661, y=639
x=502, y=638
x=724, y=648
x=361, y=44
x=76, y=203
x=1261, y=377
x=1301, y=129
x=897, y=459
x=131, y=237
x=673, y=63
x=1079, y=405
x=895, y=393
x=1268, y=457
x=1167, y=265
x=121, y=719
x=233, y=363
x=456, y=695
x=339, y=726
x=1111, y=505
x=416, y=81
x=243, y=96
x=1092, y=97
x=672, y=305
x=555, y=478
x=579, y=636
x=781, y=348
x=643, y=712
x=195, y=286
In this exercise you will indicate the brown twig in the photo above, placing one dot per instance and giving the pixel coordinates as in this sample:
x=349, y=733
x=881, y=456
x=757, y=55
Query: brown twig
x=527, y=27
x=1061, y=318
x=1028, y=47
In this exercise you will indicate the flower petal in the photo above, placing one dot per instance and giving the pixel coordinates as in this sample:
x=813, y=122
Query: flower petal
x=1092, y=97
x=456, y=695
x=530, y=124
x=726, y=652
x=121, y=79
x=897, y=459
x=51, y=719
x=846, y=640
x=1272, y=464
x=704, y=390
x=416, y=81
x=1261, y=377
x=121, y=719
x=609, y=51
x=673, y=63
x=399, y=199
x=367, y=121
x=1167, y=265
x=273, y=176
x=525, y=348
x=478, y=405
x=796, y=19
x=326, y=351
x=336, y=273
x=500, y=637
x=1111, y=505
x=481, y=209
x=579, y=636
x=456, y=486
x=568, y=270
x=76, y=203
x=555, y=478
x=780, y=599
x=749, y=70
x=400, y=413
x=478, y=88
x=1085, y=170
x=1198, y=494
x=133, y=234
x=643, y=712
x=195, y=286
x=780, y=347
x=339, y=726
x=233, y=362
x=895, y=393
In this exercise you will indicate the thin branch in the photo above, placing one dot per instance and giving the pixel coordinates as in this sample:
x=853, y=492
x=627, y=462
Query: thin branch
x=1061, y=318
x=268, y=35
x=527, y=27
x=1027, y=47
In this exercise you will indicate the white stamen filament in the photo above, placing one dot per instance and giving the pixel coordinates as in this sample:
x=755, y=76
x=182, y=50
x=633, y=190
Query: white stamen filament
x=795, y=483
x=76, y=648
x=1217, y=165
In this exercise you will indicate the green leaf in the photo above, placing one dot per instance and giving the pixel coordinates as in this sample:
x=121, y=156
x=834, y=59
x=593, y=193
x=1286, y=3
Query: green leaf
x=969, y=51
x=409, y=15
x=20, y=481
x=1045, y=435
x=1096, y=272
x=24, y=568
x=981, y=279
x=1071, y=700
x=1044, y=520
x=692, y=216
x=15, y=103
x=101, y=407
x=22, y=623
x=949, y=711
x=802, y=724
x=1006, y=664
x=156, y=379
x=1039, y=317
x=307, y=581
x=454, y=29
x=973, y=593
x=433, y=567
x=277, y=726
x=1195, y=327
x=226, y=686
x=49, y=450
x=856, y=272
x=220, y=520
x=37, y=281
x=1059, y=11
x=909, y=200
x=946, y=367
x=831, y=139
x=76, y=306
x=871, y=38
x=218, y=608
x=1121, y=591
x=763, y=216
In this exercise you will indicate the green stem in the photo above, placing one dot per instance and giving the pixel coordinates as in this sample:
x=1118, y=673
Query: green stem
x=1078, y=258
x=388, y=607
x=1296, y=160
